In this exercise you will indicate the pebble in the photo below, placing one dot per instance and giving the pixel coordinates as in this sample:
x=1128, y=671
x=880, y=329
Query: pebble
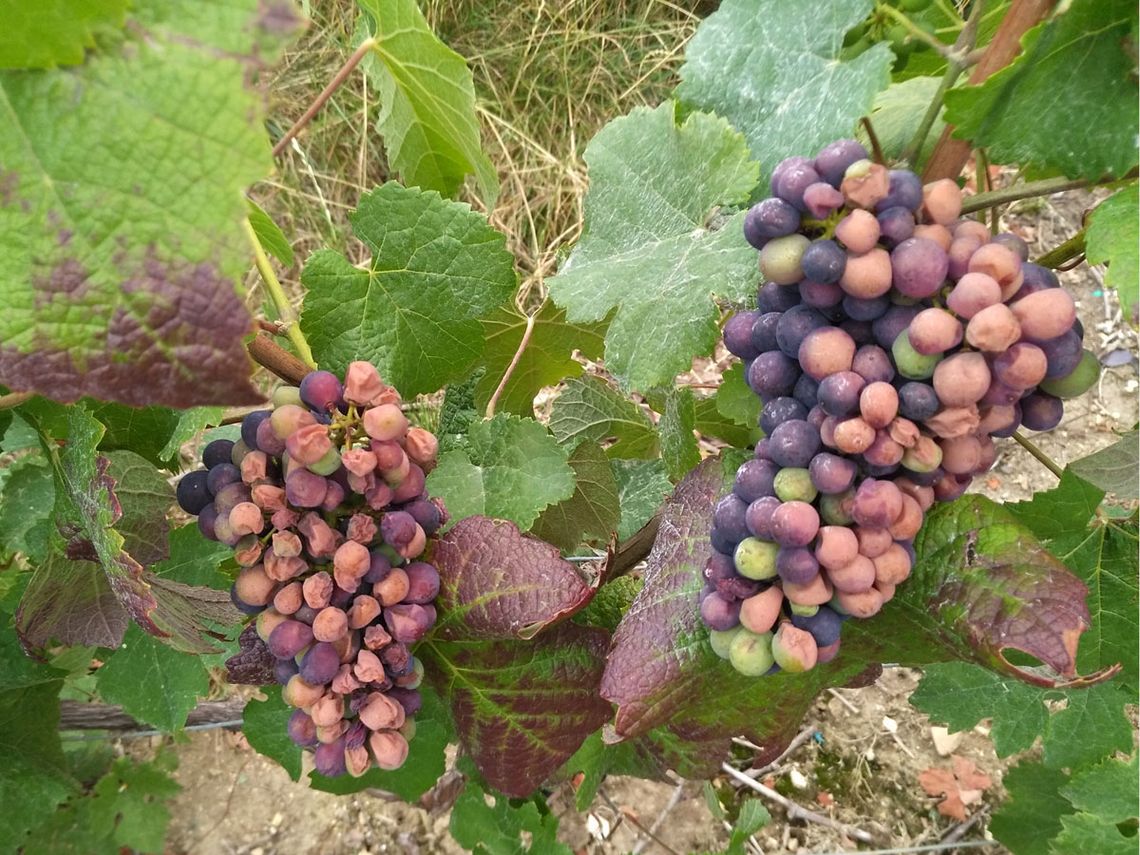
x=945, y=742
x=797, y=779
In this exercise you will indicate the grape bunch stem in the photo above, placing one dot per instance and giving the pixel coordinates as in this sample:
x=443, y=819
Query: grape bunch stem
x=279, y=297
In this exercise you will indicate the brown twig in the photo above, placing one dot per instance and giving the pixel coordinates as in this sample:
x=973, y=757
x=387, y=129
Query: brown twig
x=269, y=354
x=950, y=154
x=636, y=824
x=491, y=404
x=14, y=399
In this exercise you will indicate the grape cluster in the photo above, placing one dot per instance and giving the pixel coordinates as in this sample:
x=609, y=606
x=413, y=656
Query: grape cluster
x=322, y=500
x=893, y=340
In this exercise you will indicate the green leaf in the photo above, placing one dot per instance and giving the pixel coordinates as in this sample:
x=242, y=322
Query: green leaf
x=1107, y=790
x=131, y=802
x=502, y=827
x=678, y=443
x=151, y=681
x=546, y=360
x=735, y=400
x=522, y=708
x=1112, y=239
x=642, y=488
x=753, y=816
x=191, y=422
x=593, y=512
x=437, y=269
x=711, y=423
x=427, y=757
x=458, y=411
x=772, y=69
x=648, y=250
x=265, y=725
x=1103, y=553
x=1032, y=814
x=1078, y=57
x=427, y=100
x=1089, y=833
x=509, y=468
x=25, y=513
x=194, y=560
x=145, y=497
x=269, y=234
x=144, y=430
x=896, y=115
x=590, y=409
x=130, y=253
x=1092, y=726
x=39, y=34
x=960, y=694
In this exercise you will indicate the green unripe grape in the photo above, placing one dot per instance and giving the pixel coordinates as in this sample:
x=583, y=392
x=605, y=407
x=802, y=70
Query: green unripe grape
x=794, y=485
x=755, y=558
x=835, y=508
x=855, y=34
x=804, y=611
x=751, y=654
x=909, y=362
x=283, y=395
x=721, y=640
x=1076, y=382
x=780, y=259
x=327, y=465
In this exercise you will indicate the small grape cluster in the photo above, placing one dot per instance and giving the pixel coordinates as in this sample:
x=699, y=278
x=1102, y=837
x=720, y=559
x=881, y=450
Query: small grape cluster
x=893, y=340
x=323, y=502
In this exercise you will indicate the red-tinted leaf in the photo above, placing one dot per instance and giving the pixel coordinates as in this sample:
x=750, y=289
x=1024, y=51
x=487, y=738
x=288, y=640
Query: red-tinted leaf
x=522, y=708
x=253, y=663
x=69, y=602
x=497, y=583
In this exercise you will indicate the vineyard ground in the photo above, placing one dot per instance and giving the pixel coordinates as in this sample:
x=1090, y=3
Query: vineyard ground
x=236, y=802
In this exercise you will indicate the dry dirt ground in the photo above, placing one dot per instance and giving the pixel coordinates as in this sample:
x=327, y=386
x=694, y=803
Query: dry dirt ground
x=865, y=758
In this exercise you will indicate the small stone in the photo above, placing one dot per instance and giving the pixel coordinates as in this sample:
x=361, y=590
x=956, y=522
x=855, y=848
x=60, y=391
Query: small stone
x=797, y=779
x=890, y=725
x=945, y=742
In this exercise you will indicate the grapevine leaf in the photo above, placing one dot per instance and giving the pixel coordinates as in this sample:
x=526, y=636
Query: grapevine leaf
x=772, y=69
x=648, y=251
x=497, y=584
x=1032, y=814
x=678, y=443
x=1092, y=726
x=509, y=468
x=642, y=487
x=735, y=400
x=265, y=725
x=1086, y=832
x=982, y=585
x=1102, y=552
x=133, y=257
x=33, y=776
x=191, y=422
x=593, y=512
x=522, y=708
x=1112, y=239
x=437, y=268
x=458, y=412
x=596, y=759
x=591, y=409
x=269, y=234
x=752, y=817
x=427, y=99
x=39, y=34
x=1107, y=790
x=1078, y=57
x=151, y=681
x=25, y=512
x=144, y=430
x=501, y=828
x=710, y=422
x=253, y=664
x=194, y=560
x=130, y=803
x=145, y=497
x=546, y=360
x=610, y=603
x=427, y=757
x=70, y=602
x=896, y=115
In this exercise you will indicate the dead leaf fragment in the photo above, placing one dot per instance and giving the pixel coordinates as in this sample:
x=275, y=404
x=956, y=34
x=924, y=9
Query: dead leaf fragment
x=960, y=787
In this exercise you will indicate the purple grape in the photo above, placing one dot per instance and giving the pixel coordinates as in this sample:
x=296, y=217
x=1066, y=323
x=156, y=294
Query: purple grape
x=230, y=496
x=1013, y=243
x=249, y=427
x=1035, y=278
x=728, y=517
x=718, y=567
x=796, y=565
x=1062, y=354
x=301, y=729
x=761, y=449
x=754, y=480
x=720, y=613
x=736, y=587
x=839, y=394
x=304, y=489
x=896, y=319
x=824, y=261
x=763, y=332
x=794, y=180
x=721, y=542
x=771, y=218
x=284, y=669
x=193, y=492
x=783, y=166
x=806, y=392
x=397, y=659
x=918, y=267
x=426, y=513
x=873, y=364
x=321, y=391
x=320, y=663
x=904, y=191
x=820, y=296
x=206, y=519
x=831, y=473
x=1008, y=430
x=860, y=331
x=776, y=298
x=423, y=583
x=328, y=758
x=268, y=441
x=868, y=309
x=773, y=374
x=779, y=410
x=1040, y=411
x=221, y=476
x=833, y=159
x=758, y=517
x=793, y=327
x=409, y=699
x=409, y=622
x=289, y=638
x=241, y=605
x=825, y=625
x=794, y=443
x=397, y=528
x=738, y=335
x=917, y=401
x=926, y=479
x=895, y=225
x=378, y=568
x=216, y=452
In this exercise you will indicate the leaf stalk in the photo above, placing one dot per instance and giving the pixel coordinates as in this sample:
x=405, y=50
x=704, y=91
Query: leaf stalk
x=279, y=297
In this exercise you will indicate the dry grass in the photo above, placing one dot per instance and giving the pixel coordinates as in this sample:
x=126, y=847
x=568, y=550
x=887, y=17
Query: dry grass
x=548, y=76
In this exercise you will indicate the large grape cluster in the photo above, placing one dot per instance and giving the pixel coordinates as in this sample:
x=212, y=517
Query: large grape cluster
x=323, y=502
x=893, y=340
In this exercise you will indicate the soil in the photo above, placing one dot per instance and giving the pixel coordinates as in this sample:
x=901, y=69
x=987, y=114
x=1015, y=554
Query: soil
x=861, y=766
